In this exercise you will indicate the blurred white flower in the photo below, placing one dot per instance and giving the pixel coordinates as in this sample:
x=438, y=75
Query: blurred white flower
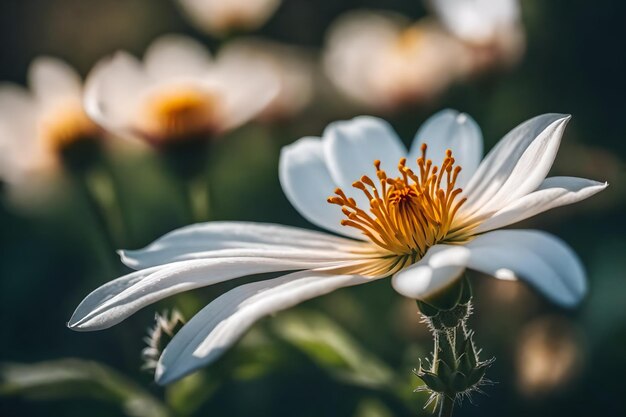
x=492, y=29
x=292, y=66
x=221, y=17
x=178, y=93
x=380, y=60
x=37, y=126
x=423, y=227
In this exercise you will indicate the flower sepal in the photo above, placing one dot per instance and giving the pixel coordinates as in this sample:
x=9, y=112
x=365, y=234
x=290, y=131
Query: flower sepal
x=446, y=299
x=455, y=369
x=450, y=307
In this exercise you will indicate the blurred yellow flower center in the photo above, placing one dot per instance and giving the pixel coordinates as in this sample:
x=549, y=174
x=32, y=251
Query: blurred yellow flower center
x=179, y=114
x=66, y=125
x=408, y=214
x=410, y=39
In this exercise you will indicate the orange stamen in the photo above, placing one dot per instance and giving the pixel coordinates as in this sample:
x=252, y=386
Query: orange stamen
x=408, y=214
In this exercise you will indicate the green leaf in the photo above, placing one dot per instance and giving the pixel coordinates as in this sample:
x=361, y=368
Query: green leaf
x=332, y=348
x=445, y=373
x=372, y=407
x=77, y=378
x=475, y=377
x=433, y=382
x=458, y=382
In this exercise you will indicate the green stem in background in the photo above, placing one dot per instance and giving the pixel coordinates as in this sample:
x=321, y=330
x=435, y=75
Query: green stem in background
x=199, y=198
x=84, y=161
x=188, y=160
x=194, y=195
x=99, y=215
x=113, y=202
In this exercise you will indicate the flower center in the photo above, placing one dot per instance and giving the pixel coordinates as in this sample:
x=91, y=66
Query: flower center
x=410, y=39
x=66, y=125
x=182, y=113
x=407, y=214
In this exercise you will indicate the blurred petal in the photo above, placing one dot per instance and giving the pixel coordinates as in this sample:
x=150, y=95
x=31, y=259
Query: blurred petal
x=237, y=239
x=476, y=21
x=355, y=47
x=553, y=192
x=120, y=298
x=245, y=92
x=112, y=91
x=440, y=267
x=293, y=67
x=382, y=61
x=307, y=183
x=450, y=129
x=540, y=259
x=18, y=114
x=52, y=80
x=220, y=17
x=176, y=56
x=213, y=330
x=352, y=146
x=516, y=166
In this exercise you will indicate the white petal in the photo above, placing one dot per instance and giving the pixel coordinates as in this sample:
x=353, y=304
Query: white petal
x=516, y=165
x=52, y=80
x=219, y=17
x=540, y=259
x=245, y=91
x=18, y=115
x=452, y=130
x=307, y=183
x=112, y=90
x=553, y=192
x=442, y=265
x=476, y=21
x=212, y=331
x=115, y=301
x=172, y=56
x=351, y=147
x=237, y=239
x=354, y=52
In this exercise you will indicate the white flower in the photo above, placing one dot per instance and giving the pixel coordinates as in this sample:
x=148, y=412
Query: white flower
x=177, y=93
x=380, y=60
x=220, y=17
x=291, y=66
x=37, y=126
x=491, y=28
x=416, y=225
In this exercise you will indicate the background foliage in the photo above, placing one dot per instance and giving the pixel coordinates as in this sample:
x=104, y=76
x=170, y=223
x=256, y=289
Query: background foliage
x=349, y=353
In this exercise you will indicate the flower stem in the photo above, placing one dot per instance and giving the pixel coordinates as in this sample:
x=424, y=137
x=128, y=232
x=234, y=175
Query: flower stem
x=455, y=369
x=98, y=212
x=188, y=162
x=199, y=203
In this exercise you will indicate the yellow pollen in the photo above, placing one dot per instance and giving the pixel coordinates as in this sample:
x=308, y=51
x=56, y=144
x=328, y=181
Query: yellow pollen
x=66, y=125
x=407, y=214
x=179, y=114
